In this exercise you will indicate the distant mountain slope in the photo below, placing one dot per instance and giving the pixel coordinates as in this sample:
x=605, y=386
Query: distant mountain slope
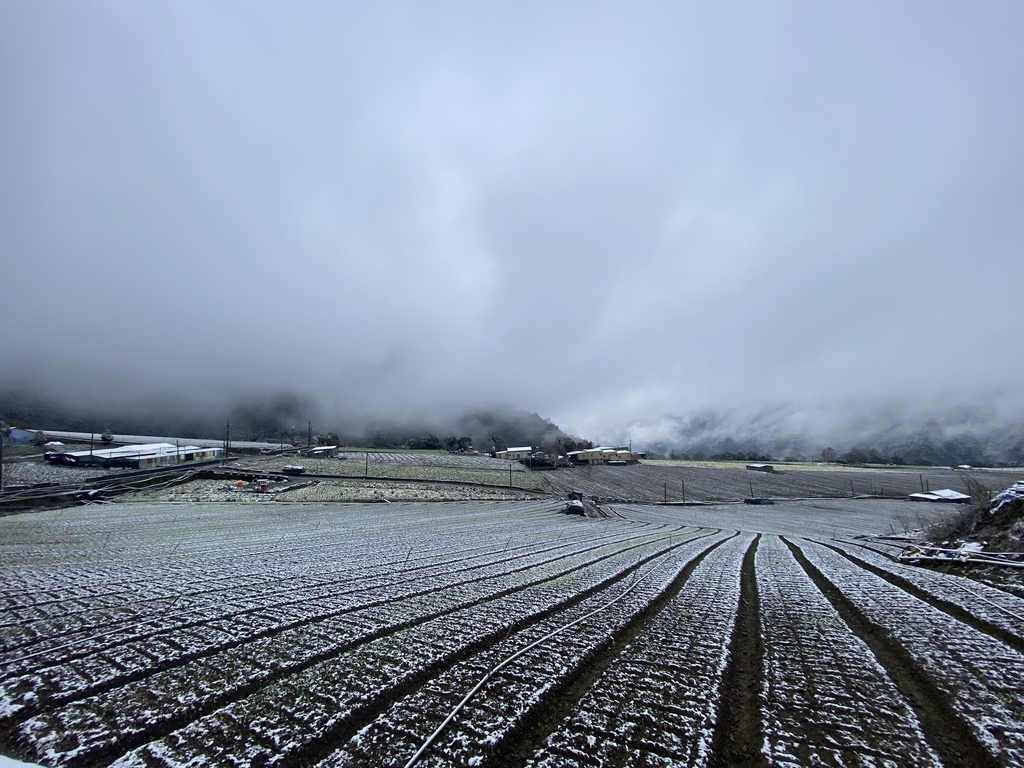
x=286, y=416
x=948, y=436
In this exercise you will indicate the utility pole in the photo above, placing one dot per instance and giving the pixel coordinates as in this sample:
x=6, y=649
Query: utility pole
x=227, y=442
x=309, y=438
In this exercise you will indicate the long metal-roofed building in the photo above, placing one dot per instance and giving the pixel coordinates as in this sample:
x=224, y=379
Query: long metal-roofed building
x=605, y=455
x=519, y=453
x=146, y=456
x=117, y=439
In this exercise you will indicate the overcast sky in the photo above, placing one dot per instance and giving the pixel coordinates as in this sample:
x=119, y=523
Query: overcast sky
x=602, y=212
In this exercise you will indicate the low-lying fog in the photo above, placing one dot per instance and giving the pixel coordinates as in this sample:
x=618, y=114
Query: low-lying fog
x=623, y=217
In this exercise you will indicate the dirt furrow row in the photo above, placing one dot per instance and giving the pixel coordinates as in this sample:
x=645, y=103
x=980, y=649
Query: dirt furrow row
x=738, y=733
x=256, y=540
x=159, y=704
x=160, y=650
x=948, y=672
x=656, y=698
x=278, y=593
x=508, y=711
x=367, y=679
x=322, y=550
x=987, y=609
x=827, y=701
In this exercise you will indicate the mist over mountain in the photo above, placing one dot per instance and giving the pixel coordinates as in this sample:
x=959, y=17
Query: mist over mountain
x=283, y=416
x=947, y=435
x=686, y=225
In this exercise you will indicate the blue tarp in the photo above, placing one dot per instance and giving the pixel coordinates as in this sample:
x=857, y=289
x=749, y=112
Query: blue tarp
x=20, y=437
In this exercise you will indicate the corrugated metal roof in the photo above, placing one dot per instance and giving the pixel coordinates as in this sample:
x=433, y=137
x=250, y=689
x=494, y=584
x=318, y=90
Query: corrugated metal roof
x=136, y=451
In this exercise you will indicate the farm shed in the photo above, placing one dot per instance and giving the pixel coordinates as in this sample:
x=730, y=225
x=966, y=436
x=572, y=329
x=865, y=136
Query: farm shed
x=589, y=456
x=945, y=496
x=605, y=455
x=322, y=452
x=515, y=454
x=136, y=456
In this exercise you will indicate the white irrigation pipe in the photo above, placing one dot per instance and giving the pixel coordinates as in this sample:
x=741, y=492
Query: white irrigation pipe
x=911, y=559
x=476, y=688
x=964, y=551
x=990, y=602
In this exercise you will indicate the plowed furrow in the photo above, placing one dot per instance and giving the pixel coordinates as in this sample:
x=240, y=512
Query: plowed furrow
x=659, y=695
x=93, y=673
x=738, y=734
x=910, y=640
x=231, y=605
x=985, y=608
x=82, y=731
x=515, y=706
x=827, y=701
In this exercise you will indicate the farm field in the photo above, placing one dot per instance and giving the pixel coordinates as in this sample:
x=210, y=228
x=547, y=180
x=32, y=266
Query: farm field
x=344, y=491
x=674, y=481
x=381, y=466
x=385, y=462
x=340, y=635
x=410, y=476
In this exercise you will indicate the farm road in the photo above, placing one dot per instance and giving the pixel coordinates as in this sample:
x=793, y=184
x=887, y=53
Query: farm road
x=343, y=635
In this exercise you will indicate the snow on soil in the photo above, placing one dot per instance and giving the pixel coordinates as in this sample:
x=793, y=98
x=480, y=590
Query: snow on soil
x=979, y=674
x=244, y=632
x=987, y=602
x=30, y=472
x=522, y=687
x=345, y=491
x=6, y=762
x=817, y=518
x=827, y=701
x=669, y=675
x=388, y=662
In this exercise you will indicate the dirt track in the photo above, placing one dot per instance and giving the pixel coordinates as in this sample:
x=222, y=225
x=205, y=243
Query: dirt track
x=321, y=635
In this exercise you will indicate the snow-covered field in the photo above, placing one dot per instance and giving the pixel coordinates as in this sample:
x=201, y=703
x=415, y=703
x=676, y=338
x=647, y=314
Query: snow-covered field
x=288, y=634
x=675, y=481
x=203, y=491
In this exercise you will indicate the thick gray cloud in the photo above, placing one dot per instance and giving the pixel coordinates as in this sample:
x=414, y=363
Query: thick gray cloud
x=607, y=213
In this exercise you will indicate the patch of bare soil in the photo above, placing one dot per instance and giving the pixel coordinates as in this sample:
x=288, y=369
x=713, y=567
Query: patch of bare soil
x=739, y=734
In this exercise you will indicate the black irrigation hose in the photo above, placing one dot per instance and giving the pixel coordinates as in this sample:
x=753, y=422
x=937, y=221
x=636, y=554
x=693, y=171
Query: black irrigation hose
x=99, y=487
